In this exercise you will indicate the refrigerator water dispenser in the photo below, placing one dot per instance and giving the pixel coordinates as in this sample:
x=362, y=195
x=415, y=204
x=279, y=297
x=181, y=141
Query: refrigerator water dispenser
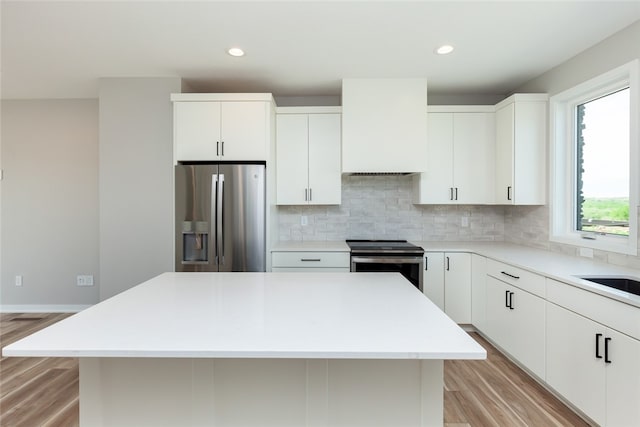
x=195, y=242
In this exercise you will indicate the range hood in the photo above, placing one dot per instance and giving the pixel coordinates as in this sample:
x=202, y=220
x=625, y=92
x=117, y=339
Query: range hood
x=384, y=126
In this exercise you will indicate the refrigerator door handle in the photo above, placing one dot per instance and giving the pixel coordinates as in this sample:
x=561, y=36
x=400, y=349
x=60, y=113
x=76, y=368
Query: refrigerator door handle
x=214, y=214
x=221, y=216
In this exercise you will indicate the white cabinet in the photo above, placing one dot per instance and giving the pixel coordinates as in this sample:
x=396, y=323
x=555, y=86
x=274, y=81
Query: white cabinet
x=592, y=365
x=433, y=278
x=478, y=291
x=316, y=261
x=515, y=320
x=384, y=125
x=521, y=134
x=447, y=282
x=308, y=157
x=221, y=130
x=460, y=161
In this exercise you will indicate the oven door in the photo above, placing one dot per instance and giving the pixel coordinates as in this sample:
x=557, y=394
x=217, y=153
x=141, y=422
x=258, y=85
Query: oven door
x=409, y=267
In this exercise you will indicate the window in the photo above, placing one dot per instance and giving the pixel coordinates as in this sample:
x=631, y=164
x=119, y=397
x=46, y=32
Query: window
x=594, y=162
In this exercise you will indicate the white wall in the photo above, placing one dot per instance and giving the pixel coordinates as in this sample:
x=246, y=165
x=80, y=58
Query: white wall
x=529, y=225
x=49, y=201
x=136, y=181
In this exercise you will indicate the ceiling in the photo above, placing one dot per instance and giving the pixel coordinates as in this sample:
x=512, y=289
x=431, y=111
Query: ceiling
x=53, y=49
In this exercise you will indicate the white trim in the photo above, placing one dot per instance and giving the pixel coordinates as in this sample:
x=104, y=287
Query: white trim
x=562, y=177
x=309, y=110
x=202, y=97
x=43, y=308
x=461, y=109
x=522, y=97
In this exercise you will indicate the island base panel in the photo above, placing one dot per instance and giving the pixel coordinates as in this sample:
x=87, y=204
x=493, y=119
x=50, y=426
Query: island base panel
x=260, y=392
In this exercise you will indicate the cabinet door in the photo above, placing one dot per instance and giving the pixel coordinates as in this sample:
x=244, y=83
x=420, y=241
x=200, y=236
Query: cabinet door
x=573, y=369
x=292, y=159
x=495, y=326
x=244, y=130
x=325, y=177
x=478, y=291
x=526, y=330
x=504, y=191
x=433, y=278
x=197, y=130
x=529, y=155
x=436, y=184
x=473, y=157
x=457, y=286
x=623, y=380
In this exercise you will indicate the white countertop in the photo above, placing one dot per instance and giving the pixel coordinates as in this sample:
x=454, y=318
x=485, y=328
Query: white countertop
x=564, y=268
x=259, y=315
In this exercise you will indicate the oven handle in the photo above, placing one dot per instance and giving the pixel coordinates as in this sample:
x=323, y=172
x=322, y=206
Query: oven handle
x=381, y=260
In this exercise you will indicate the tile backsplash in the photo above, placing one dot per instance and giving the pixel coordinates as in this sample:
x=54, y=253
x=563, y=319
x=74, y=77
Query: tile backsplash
x=529, y=226
x=380, y=207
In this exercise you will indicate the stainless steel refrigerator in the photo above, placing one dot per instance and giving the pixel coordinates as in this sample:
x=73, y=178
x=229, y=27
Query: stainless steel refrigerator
x=220, y=217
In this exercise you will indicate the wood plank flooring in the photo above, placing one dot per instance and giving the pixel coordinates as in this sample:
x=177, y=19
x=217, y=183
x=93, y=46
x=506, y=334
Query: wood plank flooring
x=36, y=391
x=493, y=392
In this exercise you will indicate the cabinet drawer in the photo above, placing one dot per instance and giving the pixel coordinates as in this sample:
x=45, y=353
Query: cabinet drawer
x=518, y=277
x=613, y=314
x=310, y=269
x=311, y=259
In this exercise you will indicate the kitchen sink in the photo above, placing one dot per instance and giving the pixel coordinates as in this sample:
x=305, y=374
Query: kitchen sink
x=626, y=284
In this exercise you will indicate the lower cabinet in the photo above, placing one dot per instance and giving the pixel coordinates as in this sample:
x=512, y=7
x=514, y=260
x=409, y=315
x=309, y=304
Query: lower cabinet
x=447, y=282
x=594, y=367
x=478, y=291
x=515, y=320
x=310, y=261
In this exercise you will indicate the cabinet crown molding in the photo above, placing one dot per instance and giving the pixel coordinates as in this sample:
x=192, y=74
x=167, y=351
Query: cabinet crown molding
x=203, y=97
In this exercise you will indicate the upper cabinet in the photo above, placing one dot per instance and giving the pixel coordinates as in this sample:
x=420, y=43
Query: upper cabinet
x=384, y=125
x=217, y=127
x=460, y=164
x=308, y=156
x=521, y=134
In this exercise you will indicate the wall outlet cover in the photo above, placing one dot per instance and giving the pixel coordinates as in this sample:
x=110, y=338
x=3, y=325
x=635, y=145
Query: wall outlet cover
x=84, y=280
x=586, y=252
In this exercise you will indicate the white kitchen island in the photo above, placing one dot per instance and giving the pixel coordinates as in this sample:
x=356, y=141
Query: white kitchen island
x=259, y=349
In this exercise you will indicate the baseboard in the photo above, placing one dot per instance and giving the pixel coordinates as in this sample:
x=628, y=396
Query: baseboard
x=42, y=308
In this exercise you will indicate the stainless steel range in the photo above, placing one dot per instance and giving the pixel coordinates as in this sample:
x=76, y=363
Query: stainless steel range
x=388, y=256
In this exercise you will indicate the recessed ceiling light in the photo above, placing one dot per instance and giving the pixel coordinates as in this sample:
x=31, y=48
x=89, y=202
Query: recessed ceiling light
x=444, y=49
x=235, y=51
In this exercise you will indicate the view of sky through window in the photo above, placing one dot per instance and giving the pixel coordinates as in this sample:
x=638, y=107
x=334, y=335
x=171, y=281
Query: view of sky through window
x=603, y=153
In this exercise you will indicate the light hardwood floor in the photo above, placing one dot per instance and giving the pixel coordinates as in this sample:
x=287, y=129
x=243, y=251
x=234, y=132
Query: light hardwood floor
x=492, y=392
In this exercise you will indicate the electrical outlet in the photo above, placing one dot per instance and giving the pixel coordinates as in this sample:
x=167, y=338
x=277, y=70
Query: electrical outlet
x=84, y=280
x=304, y=220
x=464, y=222
x=586, y=252
x=18, y=280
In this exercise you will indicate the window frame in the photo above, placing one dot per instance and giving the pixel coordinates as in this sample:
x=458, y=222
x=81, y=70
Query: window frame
x=563, y=161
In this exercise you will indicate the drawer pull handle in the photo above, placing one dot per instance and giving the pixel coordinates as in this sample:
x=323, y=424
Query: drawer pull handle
x=510, y=275
x=310, y=259
x=598, y=336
